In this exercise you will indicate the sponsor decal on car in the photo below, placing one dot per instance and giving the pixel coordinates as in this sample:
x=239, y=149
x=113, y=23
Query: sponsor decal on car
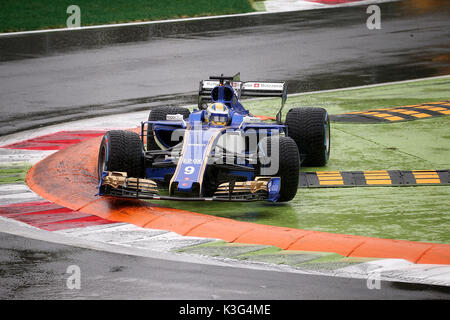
x=264, y=86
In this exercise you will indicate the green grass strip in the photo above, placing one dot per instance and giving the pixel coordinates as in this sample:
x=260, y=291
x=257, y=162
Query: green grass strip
x=13, y=173
x=19, y=15
x=410, y=213
x=344, y=101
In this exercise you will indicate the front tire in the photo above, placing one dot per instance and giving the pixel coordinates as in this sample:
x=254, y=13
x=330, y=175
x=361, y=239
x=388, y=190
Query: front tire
x=310, y=129
x=121, y=151
x=288, y=164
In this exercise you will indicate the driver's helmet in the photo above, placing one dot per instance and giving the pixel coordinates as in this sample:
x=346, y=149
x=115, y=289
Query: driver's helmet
x=217, y=114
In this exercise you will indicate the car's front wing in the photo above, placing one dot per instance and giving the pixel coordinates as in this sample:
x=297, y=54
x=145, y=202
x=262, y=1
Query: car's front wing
x=117, y=184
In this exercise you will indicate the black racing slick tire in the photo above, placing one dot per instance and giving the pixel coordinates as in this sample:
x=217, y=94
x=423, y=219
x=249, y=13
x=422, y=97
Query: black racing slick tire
x=121, y=151
x=158, y=114
x=310, y=129
x=288, y=166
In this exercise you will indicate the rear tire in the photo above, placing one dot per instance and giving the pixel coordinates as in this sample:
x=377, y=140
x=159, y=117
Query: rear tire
x=121, y=151
x=288, y=165
x=159, y=114
x=310, y=129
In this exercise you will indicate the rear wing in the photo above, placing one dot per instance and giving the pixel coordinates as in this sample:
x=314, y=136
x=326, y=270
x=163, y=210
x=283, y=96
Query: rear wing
x=244, y=89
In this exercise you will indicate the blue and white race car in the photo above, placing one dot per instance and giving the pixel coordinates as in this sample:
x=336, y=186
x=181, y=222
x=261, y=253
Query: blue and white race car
x=219, y=151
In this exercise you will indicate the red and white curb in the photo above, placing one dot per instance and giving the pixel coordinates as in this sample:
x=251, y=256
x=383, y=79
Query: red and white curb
x=298, y=5
x=19, y=204
x=16, y=193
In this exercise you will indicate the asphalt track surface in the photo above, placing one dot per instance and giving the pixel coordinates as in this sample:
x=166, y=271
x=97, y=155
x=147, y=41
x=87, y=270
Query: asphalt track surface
x=313, y=50
x=35, y=269
x=76, y=76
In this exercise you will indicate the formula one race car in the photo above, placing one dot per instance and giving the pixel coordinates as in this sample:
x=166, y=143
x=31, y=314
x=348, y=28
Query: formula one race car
x=220, y=151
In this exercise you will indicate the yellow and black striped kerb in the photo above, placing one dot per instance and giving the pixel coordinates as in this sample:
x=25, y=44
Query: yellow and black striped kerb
x=404, y=113
x=426, y=177
x=331, y=178
x=375, y=178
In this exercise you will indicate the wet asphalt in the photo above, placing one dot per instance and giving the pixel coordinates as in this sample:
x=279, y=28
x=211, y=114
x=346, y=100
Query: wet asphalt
x=34, y=269
x=68, y=75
